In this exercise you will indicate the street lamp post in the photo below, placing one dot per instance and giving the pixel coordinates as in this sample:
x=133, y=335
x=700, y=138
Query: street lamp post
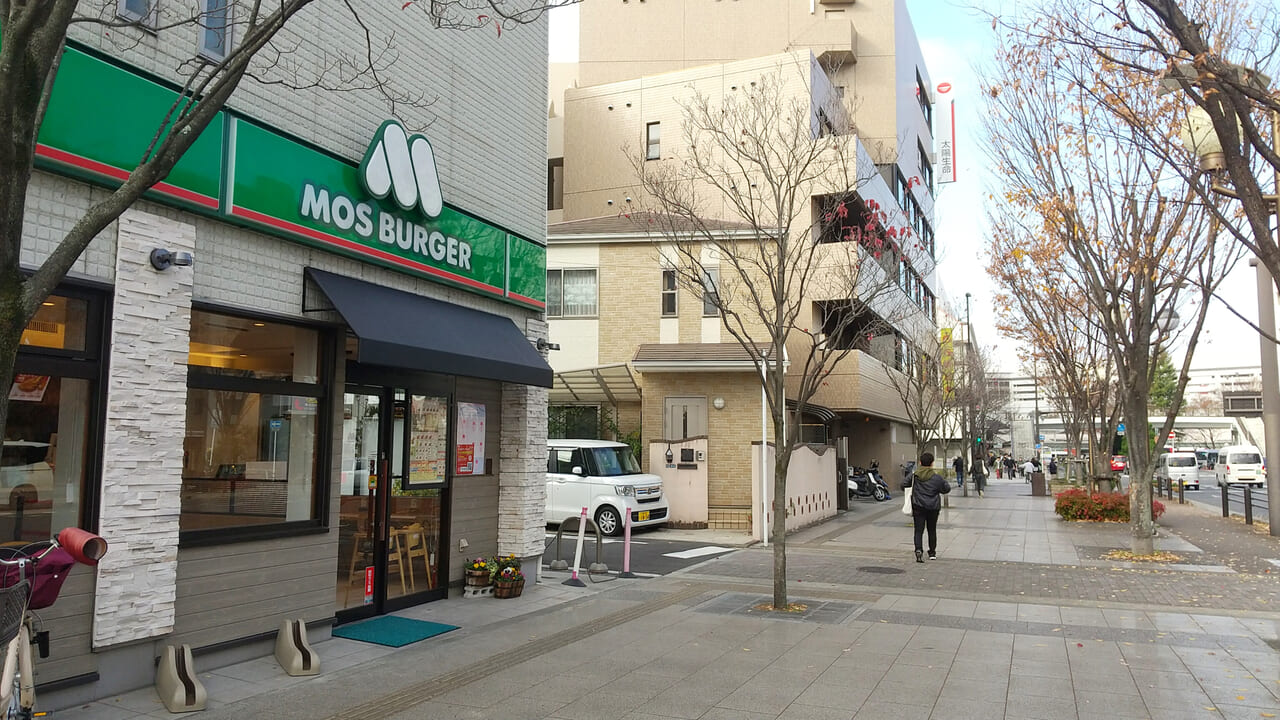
x=969, y=412
x=1200, y=137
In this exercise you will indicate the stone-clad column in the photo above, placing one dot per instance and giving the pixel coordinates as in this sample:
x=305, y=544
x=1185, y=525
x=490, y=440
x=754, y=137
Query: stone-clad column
x=522, y=482
x=146, y=423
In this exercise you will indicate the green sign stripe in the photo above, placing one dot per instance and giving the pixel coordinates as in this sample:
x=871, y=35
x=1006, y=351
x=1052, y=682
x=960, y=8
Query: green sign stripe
x=87, y=89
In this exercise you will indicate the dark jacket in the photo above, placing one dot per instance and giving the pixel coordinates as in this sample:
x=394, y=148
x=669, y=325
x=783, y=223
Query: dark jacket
x=927, y=488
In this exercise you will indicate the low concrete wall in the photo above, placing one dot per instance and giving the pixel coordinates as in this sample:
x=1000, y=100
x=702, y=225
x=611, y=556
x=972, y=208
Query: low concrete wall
x=811, y=487
x=685, y=487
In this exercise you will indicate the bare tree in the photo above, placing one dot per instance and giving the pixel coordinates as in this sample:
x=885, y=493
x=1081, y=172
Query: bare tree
x=801, y=287
x=34, y=36
x=1135, y=238
x=1221, y=56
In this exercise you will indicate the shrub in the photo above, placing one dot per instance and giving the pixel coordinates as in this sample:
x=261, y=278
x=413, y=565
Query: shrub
x=1076, y=504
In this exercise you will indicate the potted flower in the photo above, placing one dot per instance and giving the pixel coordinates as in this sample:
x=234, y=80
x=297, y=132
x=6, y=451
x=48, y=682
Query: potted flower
x=508, y=580
x=479, y=573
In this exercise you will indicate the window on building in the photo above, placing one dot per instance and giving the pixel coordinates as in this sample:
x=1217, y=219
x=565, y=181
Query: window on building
x=922, y=95
x=669, y=293
x=574, y=421
x=710, y=292
x=50, y=433
x=215, y=29
x=555, y=184
x=926, y=168
x=254, y=402
x=142, y=12
x=653, y=141
x=825, y=127
x=571, y=293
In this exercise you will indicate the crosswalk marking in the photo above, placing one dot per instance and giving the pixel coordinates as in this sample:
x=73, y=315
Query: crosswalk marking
x=697, y=552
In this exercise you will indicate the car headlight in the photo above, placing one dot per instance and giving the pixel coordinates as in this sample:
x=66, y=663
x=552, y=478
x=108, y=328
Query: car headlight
x=625, y=490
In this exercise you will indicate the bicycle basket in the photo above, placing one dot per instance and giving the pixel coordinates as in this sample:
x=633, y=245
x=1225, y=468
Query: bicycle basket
x=13, y=604
x=46, y=580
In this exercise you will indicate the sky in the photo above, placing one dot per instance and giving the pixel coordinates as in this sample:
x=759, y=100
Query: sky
x=955, y=40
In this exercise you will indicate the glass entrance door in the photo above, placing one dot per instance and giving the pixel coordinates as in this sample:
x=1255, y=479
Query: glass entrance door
x=357, y=511
x=394, y=455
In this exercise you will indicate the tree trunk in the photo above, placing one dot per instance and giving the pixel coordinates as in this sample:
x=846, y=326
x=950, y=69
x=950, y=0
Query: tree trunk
x=1140, y=521
x=778, y=524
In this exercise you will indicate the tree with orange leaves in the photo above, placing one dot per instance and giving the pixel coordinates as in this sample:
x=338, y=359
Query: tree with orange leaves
x=1132, y=249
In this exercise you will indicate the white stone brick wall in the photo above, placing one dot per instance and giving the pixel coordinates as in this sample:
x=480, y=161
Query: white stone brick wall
x=146, y=422
x=522, y=483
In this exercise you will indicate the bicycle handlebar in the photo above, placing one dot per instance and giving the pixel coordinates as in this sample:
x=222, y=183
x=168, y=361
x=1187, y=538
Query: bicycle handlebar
x=83, y=546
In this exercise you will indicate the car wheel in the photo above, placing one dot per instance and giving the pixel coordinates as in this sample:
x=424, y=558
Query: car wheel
x=881, y=494
x=609, y=521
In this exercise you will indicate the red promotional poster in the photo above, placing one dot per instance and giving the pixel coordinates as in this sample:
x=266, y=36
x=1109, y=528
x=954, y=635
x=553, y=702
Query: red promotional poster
x=466, y=459
x=368, y=585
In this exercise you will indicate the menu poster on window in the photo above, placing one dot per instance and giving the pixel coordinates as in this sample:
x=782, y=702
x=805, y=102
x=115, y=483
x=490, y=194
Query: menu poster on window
x=470, y=450
x=428, y=440
x=28, y=387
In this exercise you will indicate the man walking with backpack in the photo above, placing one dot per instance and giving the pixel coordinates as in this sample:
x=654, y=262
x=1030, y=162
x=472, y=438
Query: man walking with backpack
x=958, y=465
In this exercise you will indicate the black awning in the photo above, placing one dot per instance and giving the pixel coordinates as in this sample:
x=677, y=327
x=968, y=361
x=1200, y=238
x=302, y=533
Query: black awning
x=400, y=329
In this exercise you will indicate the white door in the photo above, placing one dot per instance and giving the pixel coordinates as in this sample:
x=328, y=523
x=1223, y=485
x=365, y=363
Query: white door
x=684, y=417
x=564, y=488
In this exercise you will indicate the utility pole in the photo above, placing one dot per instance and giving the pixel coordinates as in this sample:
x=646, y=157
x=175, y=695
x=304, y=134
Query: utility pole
x=969, y=410
x=1035, y=390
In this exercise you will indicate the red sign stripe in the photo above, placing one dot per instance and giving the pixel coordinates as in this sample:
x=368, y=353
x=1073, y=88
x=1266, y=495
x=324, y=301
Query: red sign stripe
x=115, y=173
x=526, y=300
x=346, y=244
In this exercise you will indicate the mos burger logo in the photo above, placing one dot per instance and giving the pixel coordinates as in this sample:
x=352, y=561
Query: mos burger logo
x=400, y=169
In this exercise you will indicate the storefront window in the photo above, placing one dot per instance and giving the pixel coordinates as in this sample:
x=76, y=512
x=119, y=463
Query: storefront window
x=252, y=440
x=248, y=348
x=59, y=324
x=42, y=466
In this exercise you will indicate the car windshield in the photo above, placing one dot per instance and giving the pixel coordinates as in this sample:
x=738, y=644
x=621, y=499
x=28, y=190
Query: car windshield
x=614, y=461
x=1244, y=459
x=1182, y=462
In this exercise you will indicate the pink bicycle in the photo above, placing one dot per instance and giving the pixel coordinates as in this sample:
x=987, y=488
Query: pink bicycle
x=31, y=577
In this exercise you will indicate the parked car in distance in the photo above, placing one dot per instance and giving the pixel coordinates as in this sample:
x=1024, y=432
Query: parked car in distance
x=1240, y=464
x=24, y=465
x=605, y=478
x=1119, y=463
x=1180, y=469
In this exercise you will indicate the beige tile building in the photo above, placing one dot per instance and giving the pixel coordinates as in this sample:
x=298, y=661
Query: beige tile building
x=653, y=356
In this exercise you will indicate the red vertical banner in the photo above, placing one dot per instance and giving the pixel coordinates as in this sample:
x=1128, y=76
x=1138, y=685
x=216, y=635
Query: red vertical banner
x=368, y=585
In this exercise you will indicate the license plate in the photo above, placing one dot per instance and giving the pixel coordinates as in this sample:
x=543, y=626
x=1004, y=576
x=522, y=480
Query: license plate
x=642, y=516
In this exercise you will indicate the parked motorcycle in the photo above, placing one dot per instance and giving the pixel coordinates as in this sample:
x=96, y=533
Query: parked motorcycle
x=867, y=483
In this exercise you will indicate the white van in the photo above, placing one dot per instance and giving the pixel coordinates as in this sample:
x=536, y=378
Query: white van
x=605, y=478
x=1179, y=468
x=1240, y=464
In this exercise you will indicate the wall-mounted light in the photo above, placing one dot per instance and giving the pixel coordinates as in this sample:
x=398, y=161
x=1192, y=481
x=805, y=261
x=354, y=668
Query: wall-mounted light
x=544, y=345
x=718, y=403
x=671, y=457
x=162, y=259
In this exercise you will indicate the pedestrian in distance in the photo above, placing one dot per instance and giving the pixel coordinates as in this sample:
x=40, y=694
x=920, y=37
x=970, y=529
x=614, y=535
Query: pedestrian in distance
x=958, y=464
x=1028, y=467
x=1053, y=467
x=927, y=488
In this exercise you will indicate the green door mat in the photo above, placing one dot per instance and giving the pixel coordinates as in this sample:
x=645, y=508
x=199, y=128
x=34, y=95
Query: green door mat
x=392, y=631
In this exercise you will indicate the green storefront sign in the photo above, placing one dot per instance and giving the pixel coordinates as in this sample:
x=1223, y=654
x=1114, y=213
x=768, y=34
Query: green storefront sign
x=387, y=210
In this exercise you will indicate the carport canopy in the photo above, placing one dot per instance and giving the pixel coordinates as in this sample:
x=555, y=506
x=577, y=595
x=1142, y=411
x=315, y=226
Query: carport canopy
x=611, y=384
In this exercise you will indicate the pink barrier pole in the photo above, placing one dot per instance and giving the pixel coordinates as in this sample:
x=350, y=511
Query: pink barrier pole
x=577, y=554
x=626, y=546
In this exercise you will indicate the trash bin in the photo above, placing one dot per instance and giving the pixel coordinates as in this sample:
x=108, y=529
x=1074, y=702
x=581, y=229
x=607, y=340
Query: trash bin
x=1038, y=486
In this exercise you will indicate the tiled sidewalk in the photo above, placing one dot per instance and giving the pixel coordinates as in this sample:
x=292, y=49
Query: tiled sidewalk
x=1021, y=618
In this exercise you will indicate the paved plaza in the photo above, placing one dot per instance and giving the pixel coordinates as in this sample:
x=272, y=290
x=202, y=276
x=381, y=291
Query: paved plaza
x=1022, y=617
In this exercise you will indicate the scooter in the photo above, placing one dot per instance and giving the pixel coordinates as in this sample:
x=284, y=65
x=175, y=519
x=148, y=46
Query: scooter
x=867, y=483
